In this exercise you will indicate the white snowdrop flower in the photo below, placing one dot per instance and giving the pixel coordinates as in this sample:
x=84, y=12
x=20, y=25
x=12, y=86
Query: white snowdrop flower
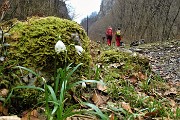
x=2, y=58
x=79, y=49
x=59, y=47
x=83, y=85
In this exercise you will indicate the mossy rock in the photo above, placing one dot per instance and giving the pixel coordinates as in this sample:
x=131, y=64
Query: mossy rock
x=130, y=62
x=32, y=43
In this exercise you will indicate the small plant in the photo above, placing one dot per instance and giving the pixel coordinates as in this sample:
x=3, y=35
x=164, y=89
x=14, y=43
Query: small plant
x=55, y=97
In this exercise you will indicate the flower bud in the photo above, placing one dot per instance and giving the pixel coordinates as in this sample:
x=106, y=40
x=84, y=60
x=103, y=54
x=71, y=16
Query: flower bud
x=83, y=85
x=79, y=49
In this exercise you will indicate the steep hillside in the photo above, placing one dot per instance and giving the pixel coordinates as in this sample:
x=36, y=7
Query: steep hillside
x=105, y=8
x=148, y=20
x=22, y=9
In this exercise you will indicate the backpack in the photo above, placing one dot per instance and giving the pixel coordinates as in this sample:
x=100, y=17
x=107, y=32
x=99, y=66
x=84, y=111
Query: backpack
x=109, y=32
x=118, y=33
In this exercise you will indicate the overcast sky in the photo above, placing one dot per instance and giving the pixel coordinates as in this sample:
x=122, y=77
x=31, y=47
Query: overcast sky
x=84, y=7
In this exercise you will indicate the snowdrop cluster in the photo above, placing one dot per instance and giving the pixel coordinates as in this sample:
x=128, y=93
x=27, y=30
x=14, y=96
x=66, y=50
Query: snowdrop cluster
x=60, y=47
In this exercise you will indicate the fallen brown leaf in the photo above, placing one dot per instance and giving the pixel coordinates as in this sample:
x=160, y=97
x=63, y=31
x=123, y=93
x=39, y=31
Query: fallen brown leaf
x=3, y=110
x=152, y=114
x=30, y=115
x=133, y=79
x=126, y=106
x=141, y=76
x=98, y=99
x=111, y=116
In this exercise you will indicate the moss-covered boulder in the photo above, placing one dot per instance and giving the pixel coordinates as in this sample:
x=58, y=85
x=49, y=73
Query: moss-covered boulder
x=32, y=43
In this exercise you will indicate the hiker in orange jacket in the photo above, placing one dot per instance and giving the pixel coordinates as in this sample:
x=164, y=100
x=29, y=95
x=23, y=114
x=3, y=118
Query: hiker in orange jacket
x=109, y=34
x=118, y=37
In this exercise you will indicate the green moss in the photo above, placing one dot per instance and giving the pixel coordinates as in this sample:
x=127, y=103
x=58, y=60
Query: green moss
x=32, y=46
x=24, y=99
x=33, y=43
x=129, y=63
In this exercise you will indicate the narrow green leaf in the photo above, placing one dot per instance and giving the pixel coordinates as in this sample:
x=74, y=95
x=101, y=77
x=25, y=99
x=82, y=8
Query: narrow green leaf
x=29, y=87
x=70, y=109
x=74, y=69
x=53, y=95
x=98, y=111
x=97, y=73
x=29, y=70
x=68, y=67
x=54, y=109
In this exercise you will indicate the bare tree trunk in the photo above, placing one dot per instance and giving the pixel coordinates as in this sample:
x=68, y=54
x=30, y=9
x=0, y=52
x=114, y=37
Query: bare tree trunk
x=170, y=29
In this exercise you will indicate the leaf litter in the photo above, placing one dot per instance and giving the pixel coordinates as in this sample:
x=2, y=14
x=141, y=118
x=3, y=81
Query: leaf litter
x=143, y=101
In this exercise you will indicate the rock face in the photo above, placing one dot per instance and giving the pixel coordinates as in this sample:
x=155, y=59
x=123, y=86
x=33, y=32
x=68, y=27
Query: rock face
x=106, y=6
x=22, y=9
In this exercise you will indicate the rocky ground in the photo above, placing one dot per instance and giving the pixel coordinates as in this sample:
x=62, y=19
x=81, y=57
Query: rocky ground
x=164, y=58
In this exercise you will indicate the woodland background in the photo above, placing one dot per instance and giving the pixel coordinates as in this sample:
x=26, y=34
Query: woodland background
x=151, y=20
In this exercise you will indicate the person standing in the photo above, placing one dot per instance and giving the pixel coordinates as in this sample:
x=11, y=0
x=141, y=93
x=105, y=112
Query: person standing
x=118, y=37
x=109, y=34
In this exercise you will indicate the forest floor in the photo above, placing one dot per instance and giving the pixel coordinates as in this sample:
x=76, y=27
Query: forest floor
x=164, y=58
x=131, y=92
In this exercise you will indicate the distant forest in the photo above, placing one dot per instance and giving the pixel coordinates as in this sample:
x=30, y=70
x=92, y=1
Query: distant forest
x=152, y=20
x=21, y=9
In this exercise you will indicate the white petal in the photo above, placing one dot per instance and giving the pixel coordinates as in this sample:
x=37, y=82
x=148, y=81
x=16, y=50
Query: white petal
x=2, y=58
x=59, y=47
x=79, y=49
x=83, y=85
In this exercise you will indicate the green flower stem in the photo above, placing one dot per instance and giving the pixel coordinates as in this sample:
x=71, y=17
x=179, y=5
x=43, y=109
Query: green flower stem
x=55, y=66
x=47, y=100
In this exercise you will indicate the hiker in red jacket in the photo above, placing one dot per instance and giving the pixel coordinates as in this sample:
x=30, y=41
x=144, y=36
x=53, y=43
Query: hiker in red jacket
x=118, y=37
x=109, y=34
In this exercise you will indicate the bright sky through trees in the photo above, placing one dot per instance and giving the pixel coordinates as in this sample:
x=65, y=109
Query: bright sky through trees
x=84, y=7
